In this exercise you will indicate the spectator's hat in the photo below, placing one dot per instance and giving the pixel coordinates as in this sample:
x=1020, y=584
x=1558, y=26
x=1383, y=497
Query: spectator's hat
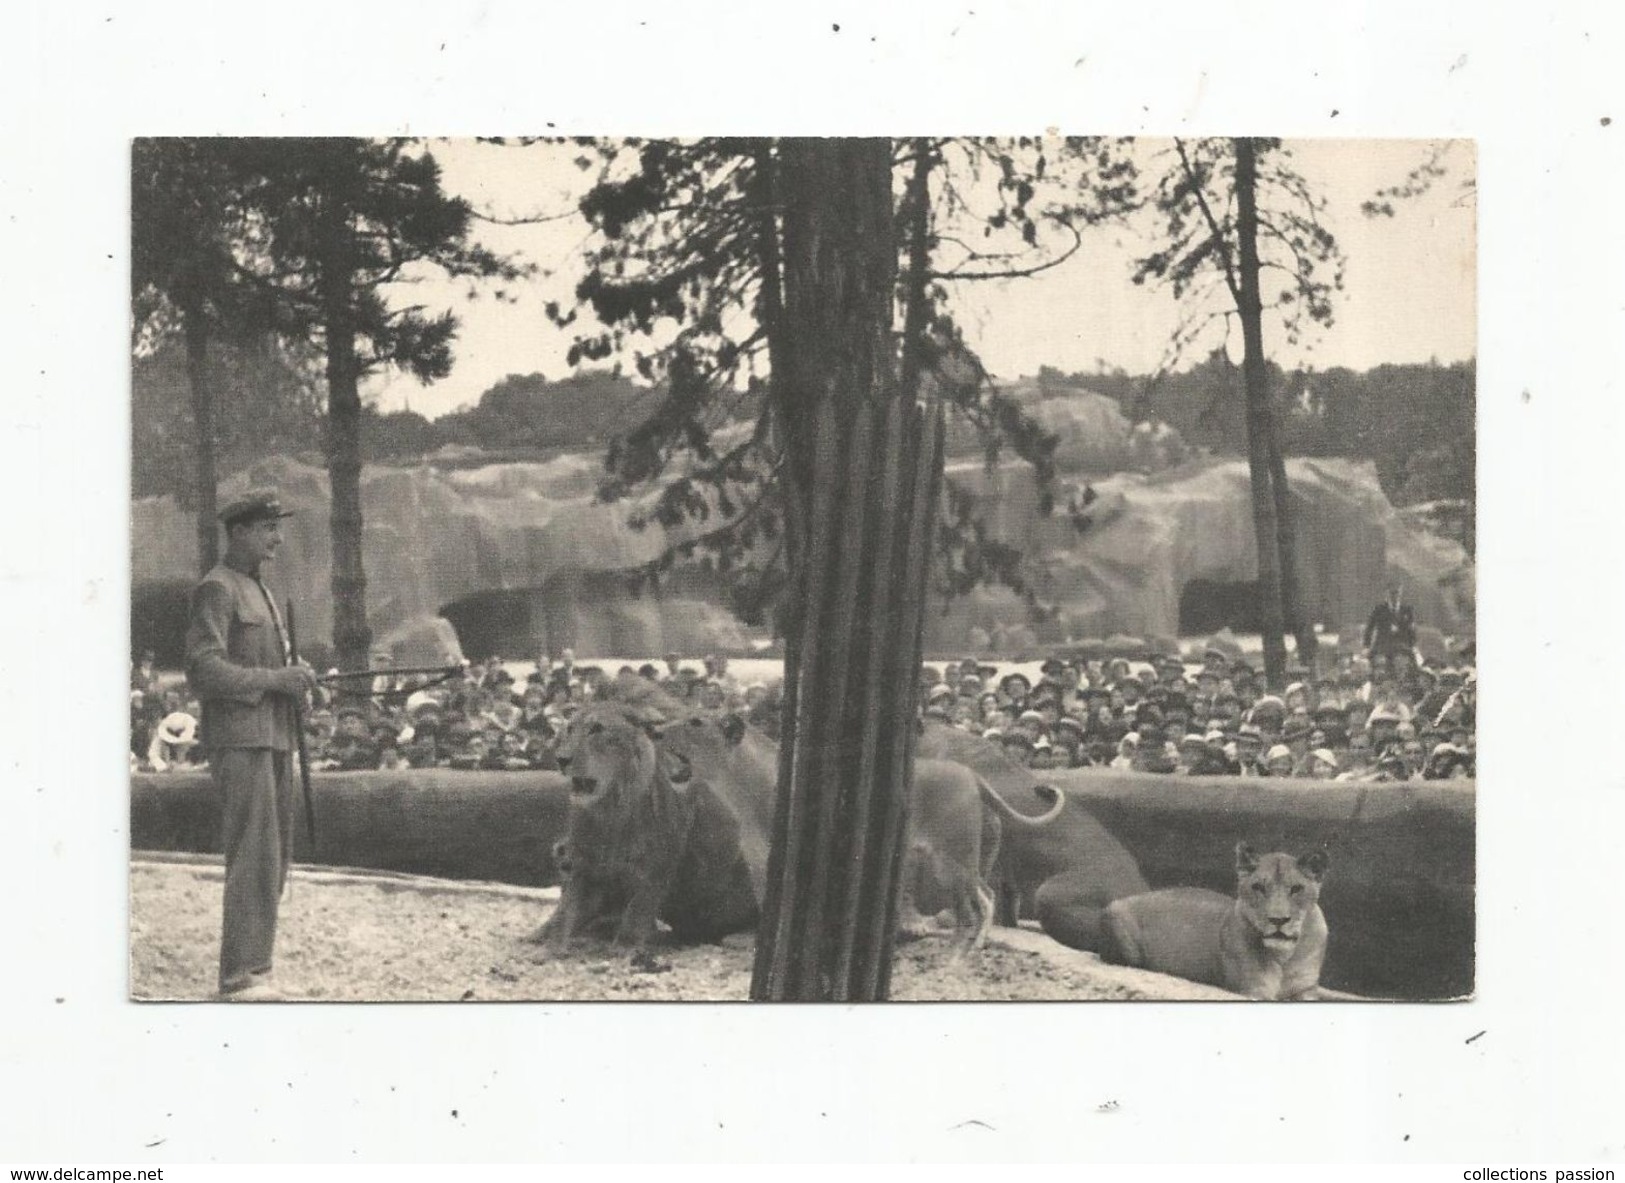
x=1214, y=740
x=1269, y=705
x=1068, y=723
x=1042, y=745
x=970, y=684
x=1326, y=756
x=940, y=692
x=993, y=733
x=1383, y=714
x=1015, y=739
x=930, y=675
x=1053, y=667
x=1279, y=752
x=1150, y=735
x=1329, y=712
x=1249, y=733
x=1030, y=717
x=1006, y=683
x=261, y=505
x=1192, y=740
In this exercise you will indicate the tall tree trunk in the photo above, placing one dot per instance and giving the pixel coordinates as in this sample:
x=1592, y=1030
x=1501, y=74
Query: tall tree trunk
x=1260, y=424
x=770, y=312
x=863, y=465
x=351, y=636
x=1293, y=609
x=196, y=329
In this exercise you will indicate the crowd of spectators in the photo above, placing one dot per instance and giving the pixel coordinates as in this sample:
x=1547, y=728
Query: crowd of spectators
x=1198, y=714
x=478, y=717
x=1389, y=719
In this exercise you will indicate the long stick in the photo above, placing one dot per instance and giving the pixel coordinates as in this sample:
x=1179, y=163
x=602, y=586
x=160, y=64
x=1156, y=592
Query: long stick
x=387, y=672
x=299, y=733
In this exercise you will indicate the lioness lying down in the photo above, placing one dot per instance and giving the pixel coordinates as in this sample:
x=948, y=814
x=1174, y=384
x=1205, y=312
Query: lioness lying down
x=1268, y=941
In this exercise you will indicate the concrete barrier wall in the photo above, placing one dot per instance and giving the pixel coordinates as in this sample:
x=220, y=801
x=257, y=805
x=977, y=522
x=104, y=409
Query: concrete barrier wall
x=1399, y=898
x=460, y=825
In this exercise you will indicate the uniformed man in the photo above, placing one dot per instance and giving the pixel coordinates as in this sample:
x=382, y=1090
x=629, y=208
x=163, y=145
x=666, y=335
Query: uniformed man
x=239, y=663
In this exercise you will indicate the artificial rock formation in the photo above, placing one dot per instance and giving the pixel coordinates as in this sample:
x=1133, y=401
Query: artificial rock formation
x=518, y=557
x=521, y=556
x=1149, y=536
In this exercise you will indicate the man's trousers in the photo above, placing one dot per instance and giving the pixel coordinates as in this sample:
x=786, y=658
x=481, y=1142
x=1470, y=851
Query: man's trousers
x=256, y=785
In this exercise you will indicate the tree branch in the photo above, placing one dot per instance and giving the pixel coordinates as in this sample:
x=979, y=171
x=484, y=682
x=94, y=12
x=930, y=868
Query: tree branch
x=1016, y=272
x=1221, y=244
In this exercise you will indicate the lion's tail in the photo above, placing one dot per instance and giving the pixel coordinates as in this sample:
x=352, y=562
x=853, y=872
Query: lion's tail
x=1005, y=809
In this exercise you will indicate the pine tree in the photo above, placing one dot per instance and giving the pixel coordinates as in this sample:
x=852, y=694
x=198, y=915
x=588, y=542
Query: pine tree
x=335, y=222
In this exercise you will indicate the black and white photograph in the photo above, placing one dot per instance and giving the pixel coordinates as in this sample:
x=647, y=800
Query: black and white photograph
x=802, y=569
x=518, y=510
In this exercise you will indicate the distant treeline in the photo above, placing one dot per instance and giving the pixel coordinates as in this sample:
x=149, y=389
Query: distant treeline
x=1417, y=422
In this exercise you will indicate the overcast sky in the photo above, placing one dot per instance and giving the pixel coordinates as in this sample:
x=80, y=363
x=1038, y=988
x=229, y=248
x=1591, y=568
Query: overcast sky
x=1409, y=283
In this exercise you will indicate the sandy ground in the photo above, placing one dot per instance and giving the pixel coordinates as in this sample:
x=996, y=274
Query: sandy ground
x=359, y=937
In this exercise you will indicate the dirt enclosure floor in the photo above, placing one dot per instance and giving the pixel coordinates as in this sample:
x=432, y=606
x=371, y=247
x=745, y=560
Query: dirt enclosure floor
x=352, y=937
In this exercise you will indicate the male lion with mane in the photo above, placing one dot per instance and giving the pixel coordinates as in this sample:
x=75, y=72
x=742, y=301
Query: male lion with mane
x=641, y=849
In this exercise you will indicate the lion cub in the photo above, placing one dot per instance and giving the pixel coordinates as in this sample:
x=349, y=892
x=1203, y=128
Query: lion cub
x=1267, y=942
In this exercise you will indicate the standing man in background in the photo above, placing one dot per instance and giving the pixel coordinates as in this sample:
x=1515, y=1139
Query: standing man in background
x=1391, y=629
x=240, y=666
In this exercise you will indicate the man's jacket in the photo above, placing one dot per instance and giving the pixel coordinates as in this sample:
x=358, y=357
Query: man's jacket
x=233, y=644
x=1391, y=628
